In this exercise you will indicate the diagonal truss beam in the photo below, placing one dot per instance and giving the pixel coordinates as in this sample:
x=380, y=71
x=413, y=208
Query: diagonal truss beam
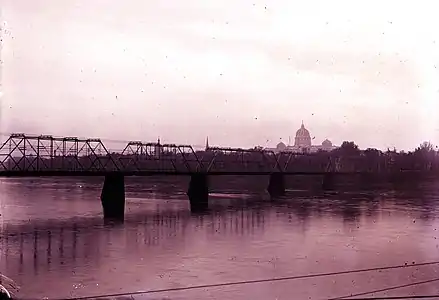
x=158, y=157
x=23, y=152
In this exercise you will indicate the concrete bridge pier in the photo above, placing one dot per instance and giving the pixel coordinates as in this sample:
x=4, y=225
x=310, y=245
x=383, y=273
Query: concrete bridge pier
x=113, y=197
x=276, y=185
x=198, y=192
x=328, y=182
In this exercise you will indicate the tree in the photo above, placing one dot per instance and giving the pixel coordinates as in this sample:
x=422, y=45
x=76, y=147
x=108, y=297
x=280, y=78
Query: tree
x=348, y=149
x=424, y=155
x=372, y=152
x=425, y=147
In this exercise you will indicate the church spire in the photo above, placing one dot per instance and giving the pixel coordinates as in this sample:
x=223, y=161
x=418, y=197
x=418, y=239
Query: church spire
x=207, y=143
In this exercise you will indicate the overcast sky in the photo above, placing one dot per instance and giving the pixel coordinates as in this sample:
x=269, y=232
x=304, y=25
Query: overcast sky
x=242, y=72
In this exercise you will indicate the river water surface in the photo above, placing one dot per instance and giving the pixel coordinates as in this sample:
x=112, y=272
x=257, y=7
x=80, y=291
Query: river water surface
x=55, y=244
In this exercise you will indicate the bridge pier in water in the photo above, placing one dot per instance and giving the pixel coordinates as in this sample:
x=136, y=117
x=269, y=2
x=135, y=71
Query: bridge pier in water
x=113, y=197
x=198, y=192
x=276, y=185
x=328, y=182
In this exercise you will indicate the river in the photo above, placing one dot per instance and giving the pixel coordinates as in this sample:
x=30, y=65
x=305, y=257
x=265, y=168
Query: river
x=55, y=244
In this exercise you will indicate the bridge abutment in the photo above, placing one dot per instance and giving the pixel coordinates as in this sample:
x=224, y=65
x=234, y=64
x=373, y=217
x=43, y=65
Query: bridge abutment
x=113, y=197
x=198, y=192
x=276, y=185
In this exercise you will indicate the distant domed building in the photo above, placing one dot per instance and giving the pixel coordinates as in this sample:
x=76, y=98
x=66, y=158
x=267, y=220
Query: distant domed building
x=281, y=146
x=303, y=143
x=327, y=145
x=303, y=138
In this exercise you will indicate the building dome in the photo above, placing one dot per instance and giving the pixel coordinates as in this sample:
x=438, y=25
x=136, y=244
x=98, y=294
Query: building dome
x=302, y=132
x=327, y=143
x=281, y=147
x=303, y=138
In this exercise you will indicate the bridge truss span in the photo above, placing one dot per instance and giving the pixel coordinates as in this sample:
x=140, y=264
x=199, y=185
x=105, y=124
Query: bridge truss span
x=156, y=157
x=266, y=161
x=28, y=153
x=237, y=159
x=45, y=154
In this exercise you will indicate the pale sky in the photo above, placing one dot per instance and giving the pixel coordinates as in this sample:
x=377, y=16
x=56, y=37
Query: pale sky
x=244, y=73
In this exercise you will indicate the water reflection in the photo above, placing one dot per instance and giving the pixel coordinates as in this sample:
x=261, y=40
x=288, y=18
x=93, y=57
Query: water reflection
x=86, y=241
x=162, y=244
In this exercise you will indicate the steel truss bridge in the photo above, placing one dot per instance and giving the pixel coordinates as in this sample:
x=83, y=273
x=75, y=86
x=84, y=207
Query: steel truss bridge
x=45, y=155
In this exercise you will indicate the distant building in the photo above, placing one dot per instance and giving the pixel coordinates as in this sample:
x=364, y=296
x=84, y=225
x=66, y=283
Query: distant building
x=303, y=143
